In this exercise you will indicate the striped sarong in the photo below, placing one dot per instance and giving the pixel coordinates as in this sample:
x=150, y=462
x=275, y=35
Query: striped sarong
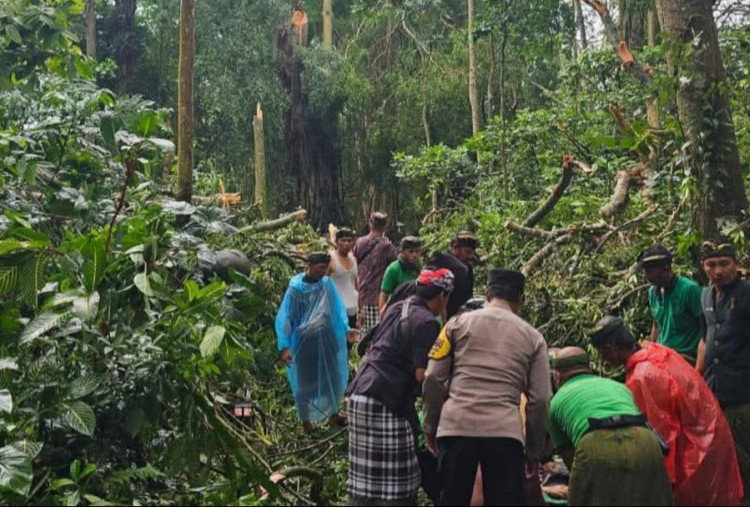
x=621, y=466
x=738, y=417
x=383, y=462
x=370, y=318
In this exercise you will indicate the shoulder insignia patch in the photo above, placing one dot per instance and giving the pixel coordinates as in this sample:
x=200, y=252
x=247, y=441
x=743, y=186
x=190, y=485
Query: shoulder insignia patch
x=442, y=347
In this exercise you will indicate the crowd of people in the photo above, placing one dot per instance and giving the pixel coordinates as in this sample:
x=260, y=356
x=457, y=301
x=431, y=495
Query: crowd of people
x=461, y=396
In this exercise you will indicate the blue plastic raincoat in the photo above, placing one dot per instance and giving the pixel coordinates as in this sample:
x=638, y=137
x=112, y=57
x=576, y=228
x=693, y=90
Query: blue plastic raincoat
x=312, y=323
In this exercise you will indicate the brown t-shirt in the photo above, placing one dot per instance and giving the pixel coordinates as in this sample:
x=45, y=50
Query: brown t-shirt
x=490, y=357
x=374, y=254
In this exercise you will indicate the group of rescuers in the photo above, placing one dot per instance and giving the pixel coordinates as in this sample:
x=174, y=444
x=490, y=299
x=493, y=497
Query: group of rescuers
x=676, y=433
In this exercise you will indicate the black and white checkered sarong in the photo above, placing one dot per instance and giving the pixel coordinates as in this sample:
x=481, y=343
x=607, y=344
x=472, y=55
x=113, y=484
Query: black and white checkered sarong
x=371, y=316
x=382, y=455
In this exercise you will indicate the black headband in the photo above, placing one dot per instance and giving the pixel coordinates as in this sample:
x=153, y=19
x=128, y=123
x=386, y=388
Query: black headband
x=718, y=248
x=319, y=258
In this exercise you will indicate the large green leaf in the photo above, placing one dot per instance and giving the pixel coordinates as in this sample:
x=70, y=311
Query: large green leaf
x=84, y=386
x=79, y=416
x=108, y=127
x=6, y=402
x=141, y=281
x=8, y=279
x=94, y=252
x=80, y=305
x=31, y=278
x=15, y=471
x=41, y=325
x=212, y=340
x=11, y=245
x=29, y=448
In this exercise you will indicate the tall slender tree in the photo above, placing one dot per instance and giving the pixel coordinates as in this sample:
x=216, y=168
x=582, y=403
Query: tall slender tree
x=91, y=28
x=704, y=110
x=185, y=119
x=328, y=24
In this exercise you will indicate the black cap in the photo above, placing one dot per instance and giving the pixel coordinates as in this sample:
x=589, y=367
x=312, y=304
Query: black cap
x=344, y=232
x=411, y=243
x=655, y=257
x=718, y=247
x=611, y=331
x=379, y=219
x=466, y=238
x=319, y=258
x=506, y=284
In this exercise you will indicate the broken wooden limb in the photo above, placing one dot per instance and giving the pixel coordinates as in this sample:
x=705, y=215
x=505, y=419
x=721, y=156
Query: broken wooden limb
x=557, y=193
x=279, y=223
x=545, y=252
x=610, y=28
x=623, y=181
x=529, y=231
x=630, y=223
x=315, y=478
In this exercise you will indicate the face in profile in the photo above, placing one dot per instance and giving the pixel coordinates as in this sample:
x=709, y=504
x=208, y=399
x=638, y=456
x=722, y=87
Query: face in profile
x=317, y=271
x=465, y=254
x=659, y=276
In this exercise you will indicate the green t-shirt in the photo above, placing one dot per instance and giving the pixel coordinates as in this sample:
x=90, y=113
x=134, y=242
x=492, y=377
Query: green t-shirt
x=582, y=398
x=678, y=313
x=395, y=275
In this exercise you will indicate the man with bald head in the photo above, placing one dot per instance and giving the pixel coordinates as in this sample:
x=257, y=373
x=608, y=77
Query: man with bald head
x=614, y=458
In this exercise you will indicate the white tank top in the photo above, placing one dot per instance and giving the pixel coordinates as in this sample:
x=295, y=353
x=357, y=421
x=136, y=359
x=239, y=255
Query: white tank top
x=346, y=282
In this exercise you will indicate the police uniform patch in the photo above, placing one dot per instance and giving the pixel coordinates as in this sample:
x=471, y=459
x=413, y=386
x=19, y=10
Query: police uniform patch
x=442, y=347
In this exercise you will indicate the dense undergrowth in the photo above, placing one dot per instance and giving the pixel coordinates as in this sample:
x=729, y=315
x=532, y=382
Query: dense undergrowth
x=123, y=356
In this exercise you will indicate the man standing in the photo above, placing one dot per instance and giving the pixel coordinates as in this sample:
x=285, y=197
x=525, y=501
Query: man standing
x=702, y=462
x=490, y=357
x=383, y=424
x=459, y=260
x=343, y=272
x=404, y=269
x=726, y=305
x=596, y=427
x=675, y=304
x=312, y=330
x=374, y=253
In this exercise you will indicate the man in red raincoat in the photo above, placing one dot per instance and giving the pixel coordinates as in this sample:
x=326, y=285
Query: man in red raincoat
x=702, y=462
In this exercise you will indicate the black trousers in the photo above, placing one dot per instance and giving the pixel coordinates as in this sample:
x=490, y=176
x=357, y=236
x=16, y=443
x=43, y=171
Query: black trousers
x=502, y=461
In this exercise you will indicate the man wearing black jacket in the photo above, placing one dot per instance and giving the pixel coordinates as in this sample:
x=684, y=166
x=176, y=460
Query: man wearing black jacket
x=459, y=261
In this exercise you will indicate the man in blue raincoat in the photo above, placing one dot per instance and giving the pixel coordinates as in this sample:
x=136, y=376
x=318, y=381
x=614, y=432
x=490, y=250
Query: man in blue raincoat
x=312, y=330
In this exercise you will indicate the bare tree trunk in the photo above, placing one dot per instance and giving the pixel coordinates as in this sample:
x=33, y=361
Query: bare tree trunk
x=652, y=27
x=185, y=120
x=489, y=103
x=632, y=24
x=91, y=28
x=260, y=162
x=473, y=93
x=581, y=24
x=504, y=119
x=328, y=24
x=704, y=110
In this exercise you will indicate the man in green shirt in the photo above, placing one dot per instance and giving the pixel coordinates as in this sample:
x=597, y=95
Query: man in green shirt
x=596, y=427
x=404, y=269
x=675, y=304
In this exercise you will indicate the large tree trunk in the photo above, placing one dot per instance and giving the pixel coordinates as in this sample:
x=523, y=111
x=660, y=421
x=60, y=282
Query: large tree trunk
x=652, y=27
x=705, y=113
x=473, y=92
x=633, y=20
x=91, y=28
x=311, y=152
x=185, y=120
x=127, y=46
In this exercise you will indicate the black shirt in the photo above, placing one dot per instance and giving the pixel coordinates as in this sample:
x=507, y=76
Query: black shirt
x=728, y=343
x=463, y=284
x=394, y=356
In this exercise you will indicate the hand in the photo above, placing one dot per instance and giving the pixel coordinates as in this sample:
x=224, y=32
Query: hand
x=286, y=356
x=532, y=468
x=431, y=444
x=352, y=336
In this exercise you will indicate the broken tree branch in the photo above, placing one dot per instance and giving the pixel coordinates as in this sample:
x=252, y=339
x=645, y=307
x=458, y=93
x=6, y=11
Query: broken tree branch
x=279, y=223
x=557, y=193
x=623, y=181
x=640, y=218
x=545, y=252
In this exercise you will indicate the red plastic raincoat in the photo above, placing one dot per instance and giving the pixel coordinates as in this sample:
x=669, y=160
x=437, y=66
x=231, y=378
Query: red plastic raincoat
x=702, y=461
